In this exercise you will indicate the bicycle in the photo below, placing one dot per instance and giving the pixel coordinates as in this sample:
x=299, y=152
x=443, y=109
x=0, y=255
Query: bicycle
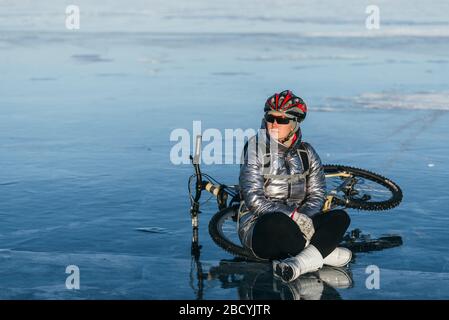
x=346, y=187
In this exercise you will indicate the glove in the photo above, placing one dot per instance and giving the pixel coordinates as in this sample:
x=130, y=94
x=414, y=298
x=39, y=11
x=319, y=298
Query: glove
x=305, y=224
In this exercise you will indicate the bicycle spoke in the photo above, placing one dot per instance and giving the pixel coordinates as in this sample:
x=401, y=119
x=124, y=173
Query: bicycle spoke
x=229, y=230
x=376, y=190
x=344, y=186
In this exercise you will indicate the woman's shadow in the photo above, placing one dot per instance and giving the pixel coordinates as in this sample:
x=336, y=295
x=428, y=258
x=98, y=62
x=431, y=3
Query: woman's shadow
x=255, y=281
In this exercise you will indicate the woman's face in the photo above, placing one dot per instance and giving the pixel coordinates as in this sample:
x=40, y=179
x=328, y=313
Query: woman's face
x=279, y=131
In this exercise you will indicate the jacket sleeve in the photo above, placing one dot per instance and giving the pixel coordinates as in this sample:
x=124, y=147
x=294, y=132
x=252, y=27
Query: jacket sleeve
x=251, y=183
x=316, y=185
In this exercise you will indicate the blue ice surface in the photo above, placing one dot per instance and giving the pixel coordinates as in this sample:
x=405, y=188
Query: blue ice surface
x=85, y=122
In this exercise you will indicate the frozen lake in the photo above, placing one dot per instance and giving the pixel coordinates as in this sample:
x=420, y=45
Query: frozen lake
x=86, y=116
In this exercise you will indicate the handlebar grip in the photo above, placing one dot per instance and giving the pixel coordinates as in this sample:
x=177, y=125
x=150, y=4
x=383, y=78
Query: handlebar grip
x=214, y=189
x=197, y=156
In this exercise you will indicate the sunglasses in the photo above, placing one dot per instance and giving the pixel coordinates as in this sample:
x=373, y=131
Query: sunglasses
x=270, y=118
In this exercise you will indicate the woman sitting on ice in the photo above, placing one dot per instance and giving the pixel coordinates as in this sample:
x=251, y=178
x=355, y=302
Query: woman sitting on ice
x=283, y=188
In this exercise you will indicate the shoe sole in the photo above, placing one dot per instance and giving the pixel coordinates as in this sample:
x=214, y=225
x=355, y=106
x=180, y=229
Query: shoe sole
x=285, y=272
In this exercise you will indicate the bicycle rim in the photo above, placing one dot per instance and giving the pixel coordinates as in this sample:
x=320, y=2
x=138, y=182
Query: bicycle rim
x=222, y=229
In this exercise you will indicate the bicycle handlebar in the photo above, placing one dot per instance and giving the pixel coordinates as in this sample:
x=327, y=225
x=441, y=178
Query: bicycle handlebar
x=217, y=190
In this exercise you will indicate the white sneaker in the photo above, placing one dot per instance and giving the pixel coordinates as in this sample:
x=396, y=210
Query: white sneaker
x=338, y=258
x=308, y=260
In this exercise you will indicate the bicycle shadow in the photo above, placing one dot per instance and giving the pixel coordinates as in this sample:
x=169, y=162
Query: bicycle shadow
x=255, y=281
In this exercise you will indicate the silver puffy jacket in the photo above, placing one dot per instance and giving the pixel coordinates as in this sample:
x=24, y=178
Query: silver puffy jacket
x=276, y=182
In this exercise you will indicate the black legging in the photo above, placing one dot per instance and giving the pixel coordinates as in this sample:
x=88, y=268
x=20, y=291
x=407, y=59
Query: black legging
x=277, y=236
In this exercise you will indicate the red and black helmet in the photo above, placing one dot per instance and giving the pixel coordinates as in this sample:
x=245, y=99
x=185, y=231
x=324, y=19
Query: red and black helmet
x=289, y=103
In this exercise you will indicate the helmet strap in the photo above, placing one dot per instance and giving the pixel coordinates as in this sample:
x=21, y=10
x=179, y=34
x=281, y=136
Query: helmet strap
x=292, y=132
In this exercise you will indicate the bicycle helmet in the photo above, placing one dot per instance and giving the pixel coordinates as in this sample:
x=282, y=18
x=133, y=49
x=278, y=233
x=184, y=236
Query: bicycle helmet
x=286, y=101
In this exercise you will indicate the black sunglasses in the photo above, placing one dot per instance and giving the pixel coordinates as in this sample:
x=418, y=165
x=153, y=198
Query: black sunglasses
x=270, y=118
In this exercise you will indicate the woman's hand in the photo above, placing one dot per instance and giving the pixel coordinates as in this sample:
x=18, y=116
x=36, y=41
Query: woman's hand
x=305, y=224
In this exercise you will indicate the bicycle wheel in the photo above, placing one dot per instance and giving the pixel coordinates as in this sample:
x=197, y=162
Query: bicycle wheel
x=222, y=229
x=361, y=189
